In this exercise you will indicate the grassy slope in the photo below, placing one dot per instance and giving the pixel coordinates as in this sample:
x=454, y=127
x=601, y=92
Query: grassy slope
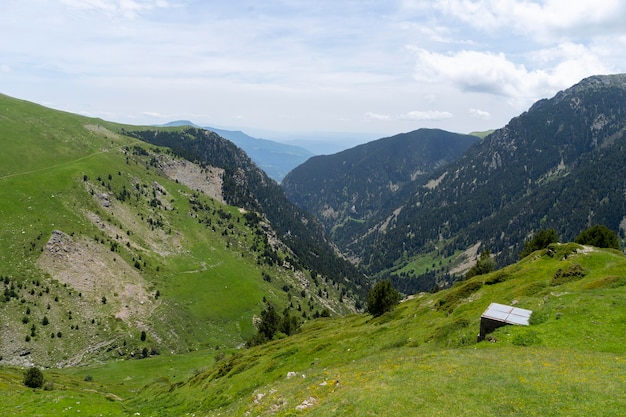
x=482, y=134
x=420, y=359
x=210, y=283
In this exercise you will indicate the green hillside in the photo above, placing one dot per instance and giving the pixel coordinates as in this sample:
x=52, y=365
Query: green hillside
x=112, y=248
x=420, y=359
x=482, y=134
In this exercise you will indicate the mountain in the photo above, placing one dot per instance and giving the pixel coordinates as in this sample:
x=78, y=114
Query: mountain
x=275, y=158
x=115, y=248
x=422, y=358
x=245, y=185
x=559, y=165
x=348, y=191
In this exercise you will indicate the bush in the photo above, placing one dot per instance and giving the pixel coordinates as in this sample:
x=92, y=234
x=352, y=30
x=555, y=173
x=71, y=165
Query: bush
x=382, y=298
x=571, y=273
x=273, y=326
x=541, y=240
x=457, y=293
x=598, y=236
x=496, y=278
x=33, y=378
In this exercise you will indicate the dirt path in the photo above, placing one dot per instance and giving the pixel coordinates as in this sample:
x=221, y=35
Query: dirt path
x=34, y=171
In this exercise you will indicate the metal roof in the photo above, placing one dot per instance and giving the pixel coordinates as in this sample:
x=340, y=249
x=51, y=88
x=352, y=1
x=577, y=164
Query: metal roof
x=507, y=314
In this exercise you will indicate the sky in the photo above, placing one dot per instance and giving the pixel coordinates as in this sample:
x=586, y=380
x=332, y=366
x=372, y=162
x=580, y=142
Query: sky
x=288, y=69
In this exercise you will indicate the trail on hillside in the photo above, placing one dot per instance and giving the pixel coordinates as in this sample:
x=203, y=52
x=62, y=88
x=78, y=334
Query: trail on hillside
x=33, y=171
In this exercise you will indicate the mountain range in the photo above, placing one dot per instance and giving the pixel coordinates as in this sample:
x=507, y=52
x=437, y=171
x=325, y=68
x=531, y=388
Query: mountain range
x=136, y=261
x=349, y=189
x=275, y=158
x=560, y=165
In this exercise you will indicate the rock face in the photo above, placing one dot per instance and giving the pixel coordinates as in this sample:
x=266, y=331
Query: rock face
x=96, y=272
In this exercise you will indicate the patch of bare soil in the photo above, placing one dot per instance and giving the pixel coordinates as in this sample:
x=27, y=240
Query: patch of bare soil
x=93, y=270
x=102, y=131
x=383, y=227
x=206, y=180
x=432, y=184
x=469, y=260
x=586, y=249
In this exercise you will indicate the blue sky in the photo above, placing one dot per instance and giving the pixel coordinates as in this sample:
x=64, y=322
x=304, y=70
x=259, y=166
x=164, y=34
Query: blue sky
x=283, y=69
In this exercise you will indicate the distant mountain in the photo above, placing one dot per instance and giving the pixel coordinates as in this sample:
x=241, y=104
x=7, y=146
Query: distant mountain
x=347, y=191
x=275, y=158
x=561, y=165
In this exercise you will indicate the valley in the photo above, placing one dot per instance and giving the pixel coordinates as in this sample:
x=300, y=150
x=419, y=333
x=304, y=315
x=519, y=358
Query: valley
x=138, y=263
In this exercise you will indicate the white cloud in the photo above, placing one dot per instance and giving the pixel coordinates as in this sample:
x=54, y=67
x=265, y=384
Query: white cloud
x=308, y=65
x=474, y=71
x=376, y=116
x=430, y=115
x=124, y=8
x=543, y=21
x=153, y=114
x=494, y=73
x=479, y=114
x=571, y=62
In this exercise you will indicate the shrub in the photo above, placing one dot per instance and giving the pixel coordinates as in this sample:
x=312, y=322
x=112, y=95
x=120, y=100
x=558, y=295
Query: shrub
x=273, y=326
x=598, y=236
x=607, y=282
x=496, y=278
x=541, y=240
x=382, y=298
x=33, y=378
x=571, y=273
x=458, y=293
